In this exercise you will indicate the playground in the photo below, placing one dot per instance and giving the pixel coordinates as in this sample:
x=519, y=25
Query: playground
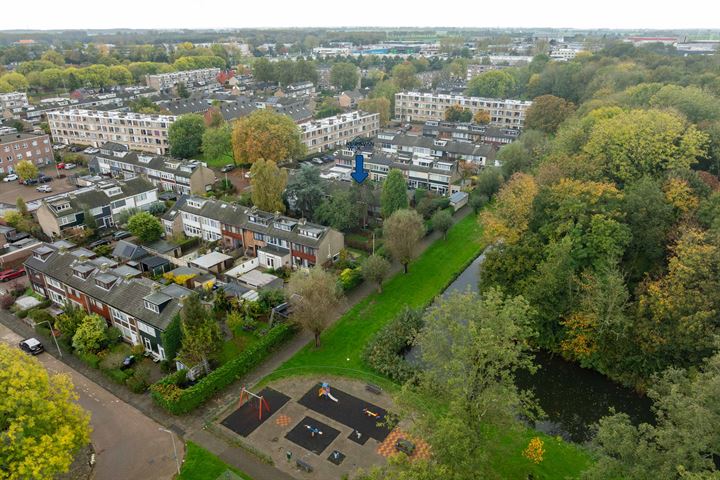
x=318, y=428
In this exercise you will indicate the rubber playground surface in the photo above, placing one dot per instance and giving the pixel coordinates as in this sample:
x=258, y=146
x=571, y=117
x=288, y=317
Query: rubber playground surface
x=302, y=434
x=246, y=419
x=349, y=410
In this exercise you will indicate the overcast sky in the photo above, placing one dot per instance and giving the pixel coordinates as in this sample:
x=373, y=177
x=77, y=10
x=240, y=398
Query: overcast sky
x=87, y=14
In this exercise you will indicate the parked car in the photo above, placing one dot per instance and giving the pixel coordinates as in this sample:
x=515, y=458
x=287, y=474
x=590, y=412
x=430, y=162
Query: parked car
x=59, y=146
x=228, y=168
x=120, y=234
x=91, y=150
x=10, y=274
x=97, y=243
x=75, y=148
x=32, y=346
x=44, y=189
x=69, y=166
x=10, y=178
x=61, y=166
x=317, y=161
x=30, y=181
x=44, y=178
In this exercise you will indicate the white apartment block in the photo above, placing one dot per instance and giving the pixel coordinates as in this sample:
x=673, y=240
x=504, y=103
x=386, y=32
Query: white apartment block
x=138, y=131
x=164, y=81
x=13, y=102
x=318, y=135
x=421, y=107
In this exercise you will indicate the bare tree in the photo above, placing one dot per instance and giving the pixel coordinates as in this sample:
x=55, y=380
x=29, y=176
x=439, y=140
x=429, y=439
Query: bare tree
x=314, y=294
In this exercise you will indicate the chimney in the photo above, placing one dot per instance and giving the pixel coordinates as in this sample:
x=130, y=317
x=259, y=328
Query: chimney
x=104, y=267
x=155, y=287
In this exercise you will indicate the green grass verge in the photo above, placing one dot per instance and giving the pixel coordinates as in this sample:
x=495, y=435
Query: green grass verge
x=218, y=162
x=202, y=465
x=342, y=344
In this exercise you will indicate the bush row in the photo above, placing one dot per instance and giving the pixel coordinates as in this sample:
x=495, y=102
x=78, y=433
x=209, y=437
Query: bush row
x=168, y=394
x=384, y=353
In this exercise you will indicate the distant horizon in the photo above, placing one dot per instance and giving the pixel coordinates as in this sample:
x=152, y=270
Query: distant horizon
x=52, y=15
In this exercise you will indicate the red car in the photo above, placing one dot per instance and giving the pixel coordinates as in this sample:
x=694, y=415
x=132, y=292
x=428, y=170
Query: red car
x=10, y=274
x=61, y=166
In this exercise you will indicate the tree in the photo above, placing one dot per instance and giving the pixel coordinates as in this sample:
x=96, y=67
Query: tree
x=264, y=70
x=340, y=211
x=69, y=321
x=120, y=75
x=268, y=183
x=216, y=142
x=305, y=190
x=482, y=117
x=90, y=335
x=374, y=269
x=514, y=207
x=172, y=338
x=267, y=135
x=441, y=221
x=42, y=434
x=145, y=227
x=535, y=450
x=394, y=193
x=26, y=170
x=492, y=84
x=401, y=232
x=182, y=90
x=378, y=105
x=21, y=206
x=328, y=107
x=456, y=113
x=344, y=76
x=89, y=220
x=547, y=112
x=200, y=334
x=404, y=76
x=314, y=295
x=185, y=135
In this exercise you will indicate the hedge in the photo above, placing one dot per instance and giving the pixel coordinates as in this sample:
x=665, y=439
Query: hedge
x=175, y=400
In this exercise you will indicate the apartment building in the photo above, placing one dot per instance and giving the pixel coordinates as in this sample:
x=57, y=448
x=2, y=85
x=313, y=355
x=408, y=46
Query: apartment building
x=15, y=147
x=138, y=131
x=430, y=173
x=12, y=104
x=104, y=200
x=140, y=308
x=276, y=240
x=421, y=107
x=166, y=81
x=183, y=177
x=331, y=132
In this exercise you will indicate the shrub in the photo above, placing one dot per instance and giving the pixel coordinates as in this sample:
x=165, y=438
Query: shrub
x=234, y=321
x=117, y=375
x=350, y=278
x=138, y=350
x=89, y=358
x=6, y=301
x=270, y=298
x=168, y=395
x=139, y=380
x=112, y=360
x=103, y=250
x=22, y=313
x=384, y=353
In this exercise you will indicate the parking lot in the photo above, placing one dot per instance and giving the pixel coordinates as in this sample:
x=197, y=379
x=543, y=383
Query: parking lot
x=10, y=191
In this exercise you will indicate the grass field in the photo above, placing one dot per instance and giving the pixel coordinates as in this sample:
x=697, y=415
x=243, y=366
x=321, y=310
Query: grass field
x=429, y=275
x=202, y=465
x=216, y=162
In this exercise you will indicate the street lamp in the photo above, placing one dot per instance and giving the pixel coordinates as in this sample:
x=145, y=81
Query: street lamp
x=52, y=332
x=177, y=461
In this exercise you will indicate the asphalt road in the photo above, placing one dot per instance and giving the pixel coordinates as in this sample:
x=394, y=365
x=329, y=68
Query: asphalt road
x=128, y=445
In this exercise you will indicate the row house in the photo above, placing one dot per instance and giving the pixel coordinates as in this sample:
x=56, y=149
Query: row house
x=183, y=177
x=421, y=146
x=16, y=147
x=421, y=107
x=331, y=132
x=12, y=104
x=138, y=131
x=104, y=200
x=430, y=173
x=276, y=240
x=140, y=308
x=470, y=132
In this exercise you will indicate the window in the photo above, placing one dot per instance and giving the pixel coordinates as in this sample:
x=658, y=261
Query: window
x=152, y=307
x=146, y=328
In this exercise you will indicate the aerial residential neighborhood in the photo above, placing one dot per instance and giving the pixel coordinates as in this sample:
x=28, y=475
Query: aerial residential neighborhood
x=300, y=242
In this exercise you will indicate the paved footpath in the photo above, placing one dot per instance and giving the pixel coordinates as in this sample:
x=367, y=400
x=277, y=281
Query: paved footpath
x=193, y=426
x=128, y=445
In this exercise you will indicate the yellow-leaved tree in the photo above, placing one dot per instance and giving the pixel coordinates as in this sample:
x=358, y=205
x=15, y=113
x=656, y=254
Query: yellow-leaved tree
x=510, y=218
x=535, y=450
x=41, y=426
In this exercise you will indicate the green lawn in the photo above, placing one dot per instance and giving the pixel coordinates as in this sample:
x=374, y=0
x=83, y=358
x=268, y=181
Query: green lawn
x=343, y=343
x=202, y=465
x=216, y=162
x=235, y=346
x=429, y=275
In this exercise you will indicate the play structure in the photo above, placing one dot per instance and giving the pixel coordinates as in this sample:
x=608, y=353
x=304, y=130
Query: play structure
x=370, y=413
x=313, y=430
x=312, y=435
x=249, y=396
x=325, y=392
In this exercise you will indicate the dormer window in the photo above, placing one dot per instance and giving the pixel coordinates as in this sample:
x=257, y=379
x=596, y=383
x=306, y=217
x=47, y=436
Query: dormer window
x=152, y=307
x=82, y=271
x=105, y=281
x=195, y=203
x=59, y=207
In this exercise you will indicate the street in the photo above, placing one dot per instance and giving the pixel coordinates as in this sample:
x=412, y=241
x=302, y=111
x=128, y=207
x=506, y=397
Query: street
x=128, y=445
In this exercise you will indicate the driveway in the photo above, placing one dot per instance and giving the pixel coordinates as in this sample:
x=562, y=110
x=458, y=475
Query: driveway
x=10, y=191
x=128, y=445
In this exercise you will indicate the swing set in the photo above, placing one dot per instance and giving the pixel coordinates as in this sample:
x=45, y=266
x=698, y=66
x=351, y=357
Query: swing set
x=248, y=396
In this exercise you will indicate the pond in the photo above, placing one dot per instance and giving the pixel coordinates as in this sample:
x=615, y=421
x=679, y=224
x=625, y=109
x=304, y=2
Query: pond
x=573, y=398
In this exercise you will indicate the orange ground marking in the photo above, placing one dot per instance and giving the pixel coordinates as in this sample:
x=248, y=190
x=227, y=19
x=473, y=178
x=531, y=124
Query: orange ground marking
x=283, y=420
x=387, y=447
